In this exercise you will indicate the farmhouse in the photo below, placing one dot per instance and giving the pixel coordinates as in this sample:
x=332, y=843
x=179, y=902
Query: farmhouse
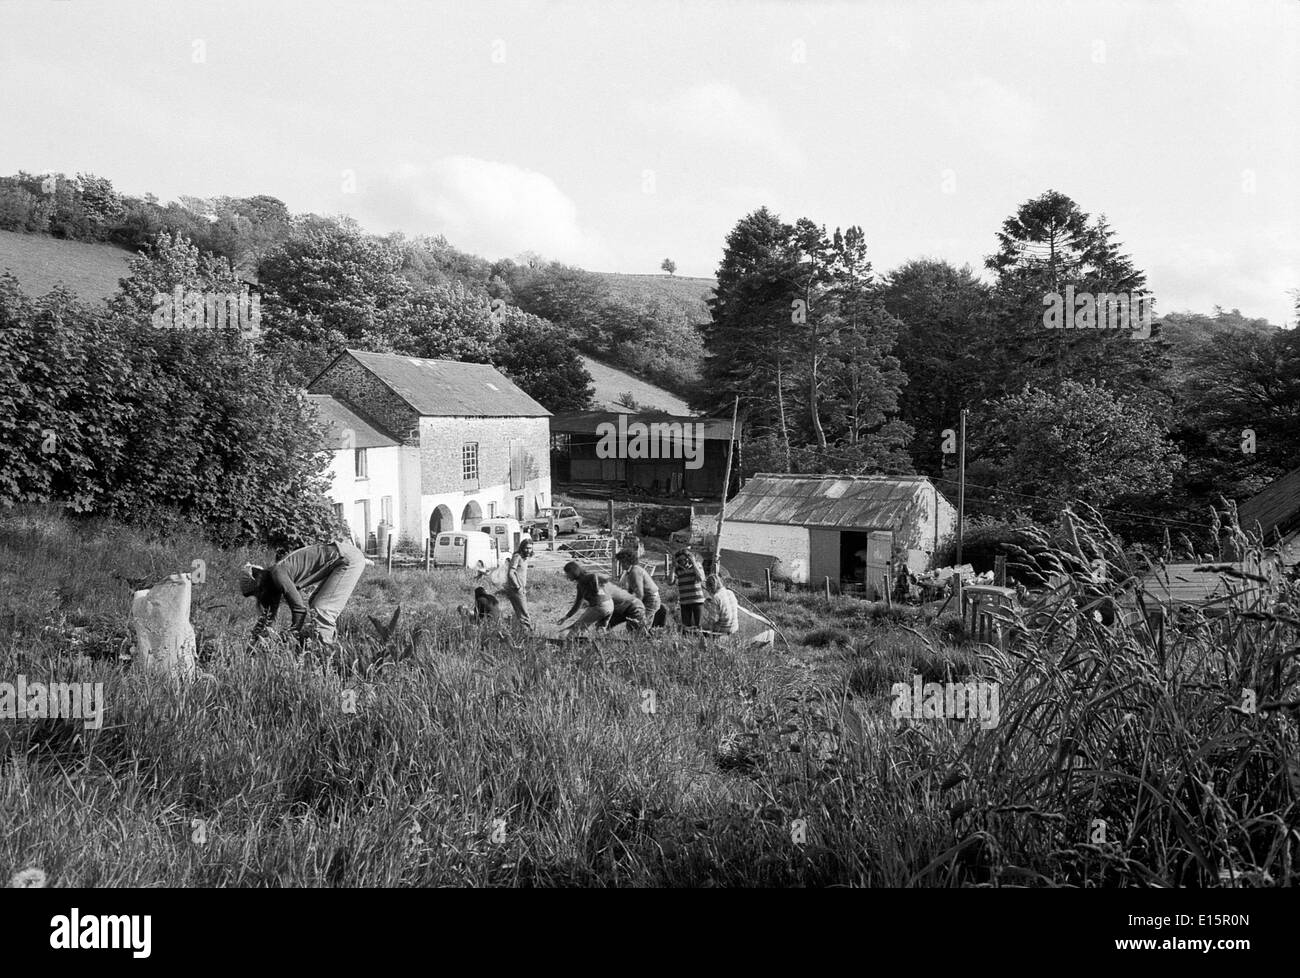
x=663, y=454
x=430, y=445
x=845, y=527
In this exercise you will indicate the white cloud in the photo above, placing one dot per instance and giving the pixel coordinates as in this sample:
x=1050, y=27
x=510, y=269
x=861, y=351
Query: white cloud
x=988, y=114
x=716, y=112
x=485, y=207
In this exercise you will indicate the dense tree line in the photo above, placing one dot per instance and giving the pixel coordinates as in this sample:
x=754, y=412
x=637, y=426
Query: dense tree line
x=838, y=369
x=652, y=338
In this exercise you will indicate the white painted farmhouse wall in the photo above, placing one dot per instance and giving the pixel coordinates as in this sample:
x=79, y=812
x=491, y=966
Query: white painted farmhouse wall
x=788, y=543
x=383, y=466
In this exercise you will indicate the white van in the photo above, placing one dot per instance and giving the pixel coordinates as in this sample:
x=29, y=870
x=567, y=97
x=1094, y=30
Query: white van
x=506, y=531
x=461, y=549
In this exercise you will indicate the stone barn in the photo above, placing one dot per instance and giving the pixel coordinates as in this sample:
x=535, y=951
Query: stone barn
x=845, y=527
x=469, y=444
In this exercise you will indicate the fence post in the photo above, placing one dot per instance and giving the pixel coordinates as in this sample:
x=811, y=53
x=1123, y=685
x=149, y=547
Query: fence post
x=551, y=536
x=959, y=598
x=767, y=574
x=668, y=569
x=428, y=552
x=1000, y=571
x=828, y=589
x=389, y=558
x=889, y=594
x=611, y=515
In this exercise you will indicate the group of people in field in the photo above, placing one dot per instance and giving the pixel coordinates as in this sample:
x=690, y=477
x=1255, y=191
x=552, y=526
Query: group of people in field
x=599, y=603
x=333, y=569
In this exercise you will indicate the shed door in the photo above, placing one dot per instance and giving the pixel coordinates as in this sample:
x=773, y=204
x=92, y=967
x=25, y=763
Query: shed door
x=880, y=546
x=823, y=556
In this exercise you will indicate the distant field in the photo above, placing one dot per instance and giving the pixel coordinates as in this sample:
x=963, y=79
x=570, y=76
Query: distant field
x=685, y=295
x=611, y=382
x=40, y=263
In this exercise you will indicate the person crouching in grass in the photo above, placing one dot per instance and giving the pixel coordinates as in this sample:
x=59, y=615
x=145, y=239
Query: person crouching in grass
x=591, y=591
x=332, y=568
x=690, y=587
x=638, y=582
x=723, y=614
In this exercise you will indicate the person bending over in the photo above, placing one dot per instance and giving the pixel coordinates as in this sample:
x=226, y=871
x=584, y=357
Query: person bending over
x=591, y=591
x=332, y=568
x=628, y=610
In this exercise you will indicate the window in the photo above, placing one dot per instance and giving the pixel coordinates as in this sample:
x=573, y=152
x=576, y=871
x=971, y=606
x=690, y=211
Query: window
x=469, y=461
x=363, y=468
x=386, y=510
x=492, y=511
x=444, y=541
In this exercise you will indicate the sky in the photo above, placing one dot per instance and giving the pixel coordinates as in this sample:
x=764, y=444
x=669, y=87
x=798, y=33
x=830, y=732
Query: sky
x=614, y=135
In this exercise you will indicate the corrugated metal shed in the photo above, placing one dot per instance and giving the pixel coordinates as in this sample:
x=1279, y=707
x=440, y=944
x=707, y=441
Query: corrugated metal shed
x=844, y=501
x=1182, y=584
x=1276, y=507
x=449, y=388
x=338, y=417
x=586, y=422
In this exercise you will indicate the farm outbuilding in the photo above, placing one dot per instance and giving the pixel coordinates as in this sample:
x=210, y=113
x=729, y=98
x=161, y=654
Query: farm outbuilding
x=845, y=527
x=1274, y=512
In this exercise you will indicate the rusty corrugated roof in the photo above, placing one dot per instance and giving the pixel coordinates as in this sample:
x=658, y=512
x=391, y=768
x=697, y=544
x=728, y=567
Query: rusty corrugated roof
x=1276, y=507
x=848, y=501
x=1181, y=583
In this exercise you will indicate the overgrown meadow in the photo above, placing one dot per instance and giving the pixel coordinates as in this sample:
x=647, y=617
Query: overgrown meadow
x=446, y=754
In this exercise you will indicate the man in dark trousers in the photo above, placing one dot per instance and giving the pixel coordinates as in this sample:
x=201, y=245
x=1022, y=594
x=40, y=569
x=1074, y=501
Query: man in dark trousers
x=332, y=568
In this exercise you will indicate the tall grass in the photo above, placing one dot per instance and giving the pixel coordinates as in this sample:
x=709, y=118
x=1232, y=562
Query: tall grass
x=472, y=759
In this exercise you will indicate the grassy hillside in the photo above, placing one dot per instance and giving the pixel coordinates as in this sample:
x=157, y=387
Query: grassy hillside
x=40, y=263
x=469, y=760
x=682, y=295
x=610, y=382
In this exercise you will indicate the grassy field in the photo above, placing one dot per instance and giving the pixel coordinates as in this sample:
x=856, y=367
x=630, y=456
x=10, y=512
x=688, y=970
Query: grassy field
x=470, y=760
x=40, y=262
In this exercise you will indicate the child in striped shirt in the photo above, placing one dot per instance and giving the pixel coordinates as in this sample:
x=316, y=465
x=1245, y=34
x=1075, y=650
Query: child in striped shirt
x=690, y=587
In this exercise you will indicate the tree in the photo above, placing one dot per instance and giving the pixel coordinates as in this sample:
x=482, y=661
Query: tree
x=945, y=347
x=748, y=340
x=539, y=357
x=669, y=266
x=1047, y=245
x=1075, y=442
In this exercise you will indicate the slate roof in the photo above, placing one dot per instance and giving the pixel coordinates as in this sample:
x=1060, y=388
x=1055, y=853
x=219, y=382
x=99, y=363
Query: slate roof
x=338, y=417
x=449, y=388
x=846, y=501
x=1276, y=507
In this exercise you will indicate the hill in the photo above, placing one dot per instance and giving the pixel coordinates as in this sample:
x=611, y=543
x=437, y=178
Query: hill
x=683, y=296
x=609, y=382
x=41, y=262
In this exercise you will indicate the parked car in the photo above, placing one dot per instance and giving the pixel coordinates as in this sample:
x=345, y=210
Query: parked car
x=506, y=531
x=466, y=550
x=567, y=520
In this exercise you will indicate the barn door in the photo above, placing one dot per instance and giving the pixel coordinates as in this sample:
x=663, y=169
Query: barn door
x=880, y=546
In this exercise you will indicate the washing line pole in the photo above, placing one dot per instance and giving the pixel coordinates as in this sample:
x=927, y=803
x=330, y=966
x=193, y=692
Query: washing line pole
x=961, y=485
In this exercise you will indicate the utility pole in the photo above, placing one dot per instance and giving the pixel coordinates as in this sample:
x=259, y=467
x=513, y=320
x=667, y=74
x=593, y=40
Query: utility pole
x=726, y=483
x=961, y=484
